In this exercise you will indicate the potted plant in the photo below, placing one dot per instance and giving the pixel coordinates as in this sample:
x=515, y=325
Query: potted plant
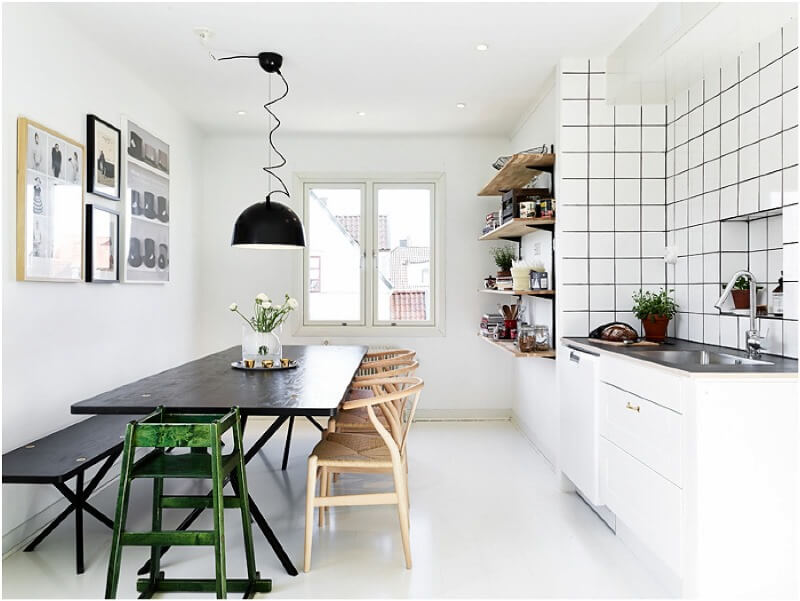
x=655, y=309
x=741, y=293
x=504, y=258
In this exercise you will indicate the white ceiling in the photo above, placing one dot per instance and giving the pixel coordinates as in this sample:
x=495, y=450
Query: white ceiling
x=406, y=65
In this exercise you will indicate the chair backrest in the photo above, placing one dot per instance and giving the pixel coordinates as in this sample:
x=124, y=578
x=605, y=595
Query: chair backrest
x=161, y=429
x=376, y=361
x=390, y=368
x=387, y=392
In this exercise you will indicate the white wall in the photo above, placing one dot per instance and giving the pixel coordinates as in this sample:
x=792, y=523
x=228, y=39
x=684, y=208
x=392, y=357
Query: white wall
x=65, y=342
x=462, y=373
x=535, y=403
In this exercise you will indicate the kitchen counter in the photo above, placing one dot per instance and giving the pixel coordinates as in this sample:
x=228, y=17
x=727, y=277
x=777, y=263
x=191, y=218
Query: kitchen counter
x=781, y=366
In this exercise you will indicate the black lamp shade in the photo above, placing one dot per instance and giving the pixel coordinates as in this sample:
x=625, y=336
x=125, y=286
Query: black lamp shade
x=268, y=225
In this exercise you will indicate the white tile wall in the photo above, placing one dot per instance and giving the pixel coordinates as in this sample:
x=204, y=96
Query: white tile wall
x=733, y=154
x=612, y=201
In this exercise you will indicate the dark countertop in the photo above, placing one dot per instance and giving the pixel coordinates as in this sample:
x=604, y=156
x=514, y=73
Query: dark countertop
x=780, y=365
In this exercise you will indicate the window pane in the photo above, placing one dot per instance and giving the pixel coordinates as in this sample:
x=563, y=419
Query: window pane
x=334, y=254
x=404, y=253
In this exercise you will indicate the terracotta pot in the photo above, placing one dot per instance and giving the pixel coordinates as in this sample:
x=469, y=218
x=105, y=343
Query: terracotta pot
x=741, y=299
x=655, y=327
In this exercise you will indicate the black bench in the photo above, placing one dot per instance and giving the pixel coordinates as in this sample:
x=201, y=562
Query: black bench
x=64, y=455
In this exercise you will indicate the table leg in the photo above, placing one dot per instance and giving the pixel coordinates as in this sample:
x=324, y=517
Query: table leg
x=79, y=524
x=287, y=444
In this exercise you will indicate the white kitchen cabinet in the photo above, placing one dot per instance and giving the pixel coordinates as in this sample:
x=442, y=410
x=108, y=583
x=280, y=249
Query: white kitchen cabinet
x=701, y=472
x=644, y=429
x=579, y=450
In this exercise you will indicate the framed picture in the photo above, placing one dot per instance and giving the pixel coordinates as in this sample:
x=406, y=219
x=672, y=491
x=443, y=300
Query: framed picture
x=147, y=149
x=147, y=207
x=103, y=142
x=102, y=244
x=49, y=205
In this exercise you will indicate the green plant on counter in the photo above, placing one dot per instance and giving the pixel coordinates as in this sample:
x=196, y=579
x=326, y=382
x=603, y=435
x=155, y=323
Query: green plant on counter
x=504, y=257
x=653, y=304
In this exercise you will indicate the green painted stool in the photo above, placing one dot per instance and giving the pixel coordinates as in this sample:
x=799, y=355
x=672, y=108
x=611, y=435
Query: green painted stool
x=202, y=434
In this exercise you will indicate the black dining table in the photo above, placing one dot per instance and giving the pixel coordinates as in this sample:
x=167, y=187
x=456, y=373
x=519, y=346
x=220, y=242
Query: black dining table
x=211, y=385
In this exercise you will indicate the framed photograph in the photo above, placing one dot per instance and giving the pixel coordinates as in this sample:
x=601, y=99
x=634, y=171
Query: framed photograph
x=103, y=142
x=102, y=244
x=147, y=207
x=49, y=205
x=146, y=148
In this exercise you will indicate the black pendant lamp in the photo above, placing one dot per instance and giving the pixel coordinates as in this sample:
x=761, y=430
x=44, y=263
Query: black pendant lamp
x=269, y=224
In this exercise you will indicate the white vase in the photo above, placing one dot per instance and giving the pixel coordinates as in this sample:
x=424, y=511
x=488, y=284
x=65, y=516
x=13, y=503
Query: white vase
x=260, y=345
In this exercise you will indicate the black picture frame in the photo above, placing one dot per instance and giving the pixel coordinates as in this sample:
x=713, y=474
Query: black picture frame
x=94, y=126
x=90, y=246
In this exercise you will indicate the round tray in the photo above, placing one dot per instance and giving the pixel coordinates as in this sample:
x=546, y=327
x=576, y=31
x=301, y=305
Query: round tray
x=276, y=367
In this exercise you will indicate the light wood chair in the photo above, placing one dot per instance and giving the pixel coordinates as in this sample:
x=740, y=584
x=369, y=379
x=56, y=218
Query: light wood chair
x=341, y=452
x=357, y=420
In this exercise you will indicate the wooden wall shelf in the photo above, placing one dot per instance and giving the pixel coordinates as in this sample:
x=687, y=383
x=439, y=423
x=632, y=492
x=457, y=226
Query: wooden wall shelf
x=511, y=347
x=515, y=228
x=519, y=292
x=518, y=172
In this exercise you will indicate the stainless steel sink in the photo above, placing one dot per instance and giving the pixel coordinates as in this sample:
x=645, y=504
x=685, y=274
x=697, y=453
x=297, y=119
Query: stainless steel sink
x=700, y=358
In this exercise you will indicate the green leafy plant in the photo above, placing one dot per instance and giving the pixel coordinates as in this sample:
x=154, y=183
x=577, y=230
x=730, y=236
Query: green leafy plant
x=654, y=304
x=743, y=283
x=504, y=257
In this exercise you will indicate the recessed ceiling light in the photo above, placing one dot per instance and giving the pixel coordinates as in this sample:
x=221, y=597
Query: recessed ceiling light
x=361, y=114
x=482, y=47
x=240, y=113
x=461, y=105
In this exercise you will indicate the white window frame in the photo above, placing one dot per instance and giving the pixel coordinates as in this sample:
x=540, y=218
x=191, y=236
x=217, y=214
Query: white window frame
x=370, y=325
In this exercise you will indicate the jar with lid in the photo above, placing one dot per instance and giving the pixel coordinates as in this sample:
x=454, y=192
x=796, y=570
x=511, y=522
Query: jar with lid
x=541, y=338
x=526, y=341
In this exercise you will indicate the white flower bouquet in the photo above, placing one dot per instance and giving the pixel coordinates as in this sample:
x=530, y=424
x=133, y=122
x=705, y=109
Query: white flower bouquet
x=267, y=315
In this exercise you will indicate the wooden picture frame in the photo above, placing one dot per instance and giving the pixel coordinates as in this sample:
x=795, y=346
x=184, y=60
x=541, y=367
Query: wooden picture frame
x=50, y=242
x=104, y=164
x=98, y=263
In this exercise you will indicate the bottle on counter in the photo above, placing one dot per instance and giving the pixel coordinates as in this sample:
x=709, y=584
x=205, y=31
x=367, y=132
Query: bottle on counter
x=777, y=297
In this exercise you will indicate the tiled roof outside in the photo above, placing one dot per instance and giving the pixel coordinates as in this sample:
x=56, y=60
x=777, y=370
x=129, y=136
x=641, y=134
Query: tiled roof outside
x=401, y=258
x=352, y=225
x=407, y=305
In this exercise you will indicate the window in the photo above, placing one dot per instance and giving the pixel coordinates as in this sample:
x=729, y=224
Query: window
x=370, y=253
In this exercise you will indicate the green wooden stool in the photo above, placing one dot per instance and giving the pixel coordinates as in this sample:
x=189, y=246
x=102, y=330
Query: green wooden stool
x=203, y=435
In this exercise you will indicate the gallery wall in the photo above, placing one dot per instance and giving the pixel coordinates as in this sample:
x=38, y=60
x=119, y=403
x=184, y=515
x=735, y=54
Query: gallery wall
x=64, y=342
x=463, y=375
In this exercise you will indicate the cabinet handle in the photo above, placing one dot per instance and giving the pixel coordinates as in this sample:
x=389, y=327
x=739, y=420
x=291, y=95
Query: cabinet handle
x=574, y=358
x=632, y=407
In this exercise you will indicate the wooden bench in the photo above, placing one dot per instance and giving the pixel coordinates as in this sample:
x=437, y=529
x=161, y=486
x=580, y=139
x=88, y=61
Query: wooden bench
x=66, y=454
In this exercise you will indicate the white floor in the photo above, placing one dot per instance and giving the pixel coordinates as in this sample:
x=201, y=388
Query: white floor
x=487, y=521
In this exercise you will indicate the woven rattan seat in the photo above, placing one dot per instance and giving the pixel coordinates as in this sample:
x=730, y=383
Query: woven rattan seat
x=348, y=448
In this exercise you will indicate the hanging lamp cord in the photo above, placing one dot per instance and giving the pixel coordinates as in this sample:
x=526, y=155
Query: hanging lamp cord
x=270, y=168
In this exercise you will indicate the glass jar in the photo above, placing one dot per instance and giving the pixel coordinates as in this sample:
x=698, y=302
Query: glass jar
x=541, y=336
x=526, y=341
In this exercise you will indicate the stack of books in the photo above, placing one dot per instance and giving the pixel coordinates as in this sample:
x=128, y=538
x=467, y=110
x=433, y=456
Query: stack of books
x=488, y=323
x=505, y=283
x=491, y=222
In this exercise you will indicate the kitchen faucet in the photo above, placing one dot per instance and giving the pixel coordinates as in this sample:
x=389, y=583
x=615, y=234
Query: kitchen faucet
x=754, y=338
